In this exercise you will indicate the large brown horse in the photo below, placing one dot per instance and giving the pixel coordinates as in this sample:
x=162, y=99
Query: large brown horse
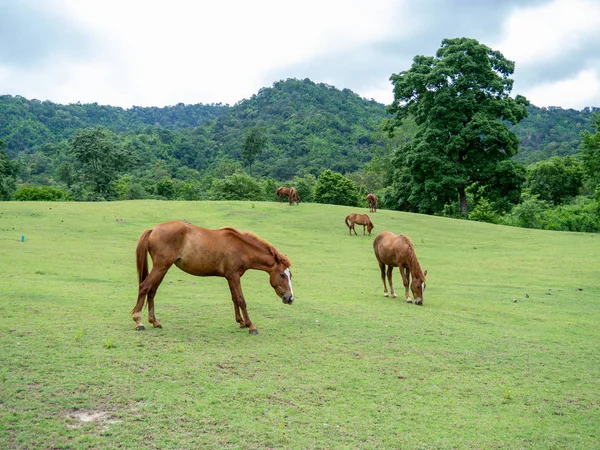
x=372, y=201
x=225, y=252
x=360, y=219
x=398, y=251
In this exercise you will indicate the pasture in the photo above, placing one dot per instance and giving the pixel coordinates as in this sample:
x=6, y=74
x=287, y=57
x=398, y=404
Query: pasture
x=343, y=367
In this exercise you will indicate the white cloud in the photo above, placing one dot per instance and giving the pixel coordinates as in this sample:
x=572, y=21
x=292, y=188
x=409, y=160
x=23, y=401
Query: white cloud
x=537, y=34
x=164, y=52
x=578, y=92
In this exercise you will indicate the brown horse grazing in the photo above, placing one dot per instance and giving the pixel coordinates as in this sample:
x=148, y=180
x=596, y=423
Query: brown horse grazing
x=225, y=252
x=293, y=197
x=372, y=201
x=398, y=251
x=360, y=219
x=281, y=191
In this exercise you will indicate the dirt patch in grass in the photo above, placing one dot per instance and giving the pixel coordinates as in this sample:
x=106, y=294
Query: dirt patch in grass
x=85, y=416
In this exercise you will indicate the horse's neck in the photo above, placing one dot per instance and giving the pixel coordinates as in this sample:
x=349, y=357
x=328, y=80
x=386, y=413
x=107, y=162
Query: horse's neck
x=259, y=256
x=413, y=263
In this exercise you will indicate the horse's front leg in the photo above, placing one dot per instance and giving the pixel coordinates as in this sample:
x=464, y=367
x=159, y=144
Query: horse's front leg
x=406, y=280
x=239, y=303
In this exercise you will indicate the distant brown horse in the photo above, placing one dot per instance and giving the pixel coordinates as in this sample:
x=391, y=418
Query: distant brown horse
x=225, y=252
x=372, y=200
x=360, y=219
x=294, y=197
x=398, y=251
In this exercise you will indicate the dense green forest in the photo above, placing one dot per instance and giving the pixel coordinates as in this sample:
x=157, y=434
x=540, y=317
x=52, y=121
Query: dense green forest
x=300, y=130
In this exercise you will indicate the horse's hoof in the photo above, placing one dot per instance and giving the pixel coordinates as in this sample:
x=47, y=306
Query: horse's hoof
x=386, y=295
x=408, y=301
x=140, y=328
x=157, y=326
x=253, y=331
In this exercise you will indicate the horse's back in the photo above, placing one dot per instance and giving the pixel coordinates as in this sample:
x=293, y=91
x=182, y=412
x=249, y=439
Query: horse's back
x=388, y=248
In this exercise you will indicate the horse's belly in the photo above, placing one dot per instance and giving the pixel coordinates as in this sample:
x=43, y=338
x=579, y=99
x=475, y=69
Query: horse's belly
x=200, y=270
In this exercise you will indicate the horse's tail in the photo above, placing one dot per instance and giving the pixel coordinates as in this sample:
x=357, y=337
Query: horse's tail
x=141, y=254
x=347, y=222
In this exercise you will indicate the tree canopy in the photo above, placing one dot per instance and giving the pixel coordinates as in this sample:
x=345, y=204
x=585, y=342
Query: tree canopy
x=460, y=101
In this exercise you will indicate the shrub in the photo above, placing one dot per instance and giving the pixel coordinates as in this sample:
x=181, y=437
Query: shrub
x=335, y=189
x=483, y=212
x=40, y=193
x=238, y=186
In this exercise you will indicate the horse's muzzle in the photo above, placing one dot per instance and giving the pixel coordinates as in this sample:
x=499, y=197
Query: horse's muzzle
x=288, y=299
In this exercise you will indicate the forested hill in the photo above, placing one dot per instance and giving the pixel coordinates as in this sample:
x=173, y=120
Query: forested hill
x=310, y=126
x=29, y=124
x=552, y=131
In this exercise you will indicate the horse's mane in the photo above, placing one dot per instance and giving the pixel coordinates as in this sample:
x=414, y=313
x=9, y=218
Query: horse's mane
x=413, y=262
x=253, y=239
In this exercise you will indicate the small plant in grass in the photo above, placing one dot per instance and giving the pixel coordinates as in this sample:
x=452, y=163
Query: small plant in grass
x=78, y=336
x=109, y=343
x=508, y=395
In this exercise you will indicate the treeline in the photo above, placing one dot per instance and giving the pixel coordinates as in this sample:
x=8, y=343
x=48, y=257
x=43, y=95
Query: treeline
x=331, y=144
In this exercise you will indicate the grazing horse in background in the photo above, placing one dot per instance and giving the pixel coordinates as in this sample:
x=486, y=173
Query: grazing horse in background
x=293, y=196
x=281, y=191
x=225, y=252
x=372, y=201
x=360, y=219
x=398, y=251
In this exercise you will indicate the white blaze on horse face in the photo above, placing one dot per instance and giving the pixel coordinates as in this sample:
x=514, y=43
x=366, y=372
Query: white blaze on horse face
x=423, y=287
x=287, y=272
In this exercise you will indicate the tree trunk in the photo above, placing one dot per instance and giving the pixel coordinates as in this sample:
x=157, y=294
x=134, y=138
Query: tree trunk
x=463, y=202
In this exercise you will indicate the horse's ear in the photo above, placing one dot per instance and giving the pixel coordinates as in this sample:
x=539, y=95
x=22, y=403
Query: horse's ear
x=425, y=273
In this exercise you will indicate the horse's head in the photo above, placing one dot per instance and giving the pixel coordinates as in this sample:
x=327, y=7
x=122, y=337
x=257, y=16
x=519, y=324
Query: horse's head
x=417, y=286
x=281, y=280
x=370, y=227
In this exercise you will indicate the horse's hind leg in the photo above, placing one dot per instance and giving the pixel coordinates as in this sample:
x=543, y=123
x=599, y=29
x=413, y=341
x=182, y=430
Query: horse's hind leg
x=382, y=269
x=390, y=270
x=148, y=289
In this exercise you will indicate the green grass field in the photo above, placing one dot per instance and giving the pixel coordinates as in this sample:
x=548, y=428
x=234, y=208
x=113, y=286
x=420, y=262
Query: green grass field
x=343, y=367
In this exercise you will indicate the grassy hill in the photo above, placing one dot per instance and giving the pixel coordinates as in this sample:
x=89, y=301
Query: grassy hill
x=343, y=367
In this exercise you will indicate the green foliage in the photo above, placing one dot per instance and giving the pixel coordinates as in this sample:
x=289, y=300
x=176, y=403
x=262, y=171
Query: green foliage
x=305, y=186
x=101, y=156
x=166, y=188
x=254, y=143
x=460, y=102
x=550, y=131
x=40, y=193
x=8, y=171
x=335, y=189
x=590, y=152
x=528, y=213
x=582, y=215
x=484, y=212
x=238, y=186
x=555, y=180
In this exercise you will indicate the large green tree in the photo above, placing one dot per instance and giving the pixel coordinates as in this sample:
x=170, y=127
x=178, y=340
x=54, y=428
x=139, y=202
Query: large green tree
x=460, y=102
x=101, y=156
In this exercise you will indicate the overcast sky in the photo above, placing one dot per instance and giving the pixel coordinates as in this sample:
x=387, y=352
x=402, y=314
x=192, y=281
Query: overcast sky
x=163, y=52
